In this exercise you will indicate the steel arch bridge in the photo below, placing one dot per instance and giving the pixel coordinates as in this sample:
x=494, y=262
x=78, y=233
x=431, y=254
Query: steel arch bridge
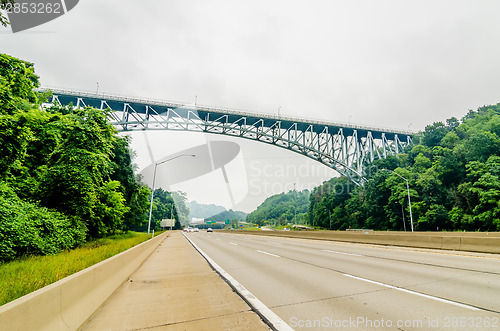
x=344, y=147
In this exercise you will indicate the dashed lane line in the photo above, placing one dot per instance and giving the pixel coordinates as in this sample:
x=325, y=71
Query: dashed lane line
x=268, y=253
x=343, y=253
x=415, y=293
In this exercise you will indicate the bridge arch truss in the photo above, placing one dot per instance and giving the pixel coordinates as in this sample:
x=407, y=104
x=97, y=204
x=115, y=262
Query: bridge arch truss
x=343, y=147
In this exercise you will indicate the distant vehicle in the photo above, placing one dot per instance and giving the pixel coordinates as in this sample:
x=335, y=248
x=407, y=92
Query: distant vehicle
x=210, y=230
x=196, y=230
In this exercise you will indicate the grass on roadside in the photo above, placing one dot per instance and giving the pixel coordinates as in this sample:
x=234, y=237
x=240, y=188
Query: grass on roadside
x=23, y=276
x=252, y=228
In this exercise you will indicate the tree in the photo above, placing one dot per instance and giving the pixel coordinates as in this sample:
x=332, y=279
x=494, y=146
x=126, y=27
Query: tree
x=3, y=20
x=136, y=194
x=434, y=133
x=14, y=140
x=26, y=228
x=65, y=174
x=280, y=207
x=482, y=193
x=182, y=210
x=17, y=83
x=453, y=168
x=110, y=209
x=164, y=207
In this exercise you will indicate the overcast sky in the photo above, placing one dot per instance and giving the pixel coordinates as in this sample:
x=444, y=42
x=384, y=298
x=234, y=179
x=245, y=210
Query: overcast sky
x=397, y=64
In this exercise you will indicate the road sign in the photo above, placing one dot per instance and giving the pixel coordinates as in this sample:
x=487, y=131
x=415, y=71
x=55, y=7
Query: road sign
x=167, y=222
x=227, y=221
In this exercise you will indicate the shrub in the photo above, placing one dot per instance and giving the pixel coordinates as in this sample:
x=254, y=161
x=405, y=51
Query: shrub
x=26, y=228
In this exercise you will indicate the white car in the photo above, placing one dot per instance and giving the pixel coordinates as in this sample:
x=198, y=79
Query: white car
x=196, y=230
x=210, y=230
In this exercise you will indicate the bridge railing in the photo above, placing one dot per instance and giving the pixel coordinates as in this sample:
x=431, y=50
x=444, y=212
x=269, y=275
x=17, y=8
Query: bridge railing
x=159, y=102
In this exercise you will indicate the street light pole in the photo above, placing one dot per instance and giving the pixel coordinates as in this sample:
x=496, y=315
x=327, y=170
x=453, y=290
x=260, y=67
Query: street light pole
x=154, y=178
x=409, y=199
x=295, y=203
x=330, y=217
x=403, y=213
x=172, y=214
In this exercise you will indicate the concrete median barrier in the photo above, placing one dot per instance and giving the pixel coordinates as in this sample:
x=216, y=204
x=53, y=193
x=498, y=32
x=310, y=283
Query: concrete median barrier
x=451, y=243
x=468, y=241
x=476, y=244
x=435, y=242
x=68, y=303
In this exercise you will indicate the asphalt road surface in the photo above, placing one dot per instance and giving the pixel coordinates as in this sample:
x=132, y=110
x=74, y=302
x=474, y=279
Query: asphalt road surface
x=315, y=285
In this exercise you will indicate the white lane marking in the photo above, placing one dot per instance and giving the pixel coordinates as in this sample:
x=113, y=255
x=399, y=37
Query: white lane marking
x=326, y=250
x=415, y=293
x=233, y=244
x=217, y=238
x=261, y=308
x=268, y=253
x=272, y=242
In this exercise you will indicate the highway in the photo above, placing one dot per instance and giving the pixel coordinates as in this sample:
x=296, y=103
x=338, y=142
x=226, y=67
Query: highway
x=330, y=285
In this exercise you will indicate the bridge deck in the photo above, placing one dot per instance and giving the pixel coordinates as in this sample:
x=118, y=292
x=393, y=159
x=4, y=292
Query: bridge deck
x=116, y=103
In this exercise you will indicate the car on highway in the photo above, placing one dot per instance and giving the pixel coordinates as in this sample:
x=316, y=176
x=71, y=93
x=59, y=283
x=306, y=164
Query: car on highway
x=196, y=230
x=210, y=230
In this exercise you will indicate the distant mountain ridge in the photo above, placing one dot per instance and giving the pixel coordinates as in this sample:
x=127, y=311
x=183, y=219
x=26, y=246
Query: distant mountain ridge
x=281, y=207
x=200, y=210
x=228, y=215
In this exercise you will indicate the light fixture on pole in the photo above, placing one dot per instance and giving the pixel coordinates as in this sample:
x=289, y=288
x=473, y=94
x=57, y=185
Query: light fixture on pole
x=408, y=189
x=154, y=178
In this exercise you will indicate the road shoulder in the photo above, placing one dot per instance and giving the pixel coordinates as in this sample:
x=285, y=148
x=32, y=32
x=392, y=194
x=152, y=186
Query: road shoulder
x=175, y=289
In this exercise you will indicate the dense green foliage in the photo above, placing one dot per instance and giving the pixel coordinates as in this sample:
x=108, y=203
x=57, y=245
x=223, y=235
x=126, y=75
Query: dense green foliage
x=453, y=171
x=65, y=174
x=168, y=205
x=281, y=208
x=228, y=215
x=29, y=229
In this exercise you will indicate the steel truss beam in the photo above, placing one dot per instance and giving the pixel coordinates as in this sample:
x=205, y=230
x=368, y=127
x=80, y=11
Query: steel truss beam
x=345, y=148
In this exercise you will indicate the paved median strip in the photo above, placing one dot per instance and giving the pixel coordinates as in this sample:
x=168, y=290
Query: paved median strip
x=415, y=293
x=326, y=250
x=268, y=253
